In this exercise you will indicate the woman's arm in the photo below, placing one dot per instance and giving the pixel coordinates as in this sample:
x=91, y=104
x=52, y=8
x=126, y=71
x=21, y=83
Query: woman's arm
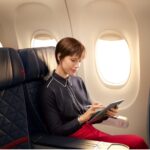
x=53, y=118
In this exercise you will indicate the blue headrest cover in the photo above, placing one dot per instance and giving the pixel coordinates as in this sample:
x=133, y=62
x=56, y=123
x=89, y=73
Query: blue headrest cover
x=11, y=68
x=38, y=62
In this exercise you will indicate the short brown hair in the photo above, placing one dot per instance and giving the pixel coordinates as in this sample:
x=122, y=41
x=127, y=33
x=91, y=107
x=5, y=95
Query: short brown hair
x=68, y=47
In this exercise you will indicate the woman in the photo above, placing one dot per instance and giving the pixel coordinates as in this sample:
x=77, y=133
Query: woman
x=65, y=99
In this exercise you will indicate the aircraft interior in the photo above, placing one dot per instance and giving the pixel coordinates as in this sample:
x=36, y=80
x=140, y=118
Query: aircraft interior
x=116, y=36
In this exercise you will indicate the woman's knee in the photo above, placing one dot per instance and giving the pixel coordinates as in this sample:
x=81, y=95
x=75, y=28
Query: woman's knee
x=138, y=142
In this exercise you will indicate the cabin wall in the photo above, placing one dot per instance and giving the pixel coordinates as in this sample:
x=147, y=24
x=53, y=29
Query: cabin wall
x=144, y=23
x=8, y=33
x=46, y=18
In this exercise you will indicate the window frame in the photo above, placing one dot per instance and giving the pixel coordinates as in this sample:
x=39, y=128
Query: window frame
x=40, y=33
x=114, y=35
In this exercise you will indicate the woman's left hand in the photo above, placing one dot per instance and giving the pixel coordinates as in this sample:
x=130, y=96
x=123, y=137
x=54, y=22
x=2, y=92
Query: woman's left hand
x=112, y=112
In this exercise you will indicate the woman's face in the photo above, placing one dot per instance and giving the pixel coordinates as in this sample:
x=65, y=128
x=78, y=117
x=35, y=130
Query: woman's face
x=70, y=64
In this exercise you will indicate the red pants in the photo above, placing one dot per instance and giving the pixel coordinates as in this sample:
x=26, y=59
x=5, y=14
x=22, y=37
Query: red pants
x=87, y=131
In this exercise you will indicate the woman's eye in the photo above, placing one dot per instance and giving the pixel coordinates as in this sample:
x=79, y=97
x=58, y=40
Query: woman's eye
x=73, y=60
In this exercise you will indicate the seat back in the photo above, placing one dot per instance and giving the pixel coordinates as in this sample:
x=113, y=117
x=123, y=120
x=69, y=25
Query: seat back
x=13, y=117
x=22, y=74
x=38, y=64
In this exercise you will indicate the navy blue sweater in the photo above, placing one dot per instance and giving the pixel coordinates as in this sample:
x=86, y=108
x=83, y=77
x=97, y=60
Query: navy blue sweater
x=62, y=102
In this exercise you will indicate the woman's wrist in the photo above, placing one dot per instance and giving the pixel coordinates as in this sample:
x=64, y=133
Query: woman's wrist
x=81, y=119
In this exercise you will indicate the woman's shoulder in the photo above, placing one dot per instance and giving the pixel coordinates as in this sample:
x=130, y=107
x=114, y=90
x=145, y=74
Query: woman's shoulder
x=77, y=79
x=49, y=83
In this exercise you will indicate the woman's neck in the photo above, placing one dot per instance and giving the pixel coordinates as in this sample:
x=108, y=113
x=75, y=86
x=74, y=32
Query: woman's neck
x=60, y=71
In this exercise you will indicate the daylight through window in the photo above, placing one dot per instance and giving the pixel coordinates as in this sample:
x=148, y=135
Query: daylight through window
x=113, y=60
x=43, y=40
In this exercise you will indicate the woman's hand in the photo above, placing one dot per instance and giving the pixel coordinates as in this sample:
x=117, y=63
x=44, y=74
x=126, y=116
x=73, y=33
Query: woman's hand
x=92, y=110
x=112, y=112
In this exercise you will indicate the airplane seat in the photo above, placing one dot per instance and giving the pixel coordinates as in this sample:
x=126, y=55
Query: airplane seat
x=13, y=117
x=34, y=61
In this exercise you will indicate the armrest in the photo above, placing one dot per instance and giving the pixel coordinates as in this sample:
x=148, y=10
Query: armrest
x=50, y=141
x=118, y=121
x=63, y=142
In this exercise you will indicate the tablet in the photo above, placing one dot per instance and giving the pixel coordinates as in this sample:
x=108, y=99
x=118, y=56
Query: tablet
x=100, y=114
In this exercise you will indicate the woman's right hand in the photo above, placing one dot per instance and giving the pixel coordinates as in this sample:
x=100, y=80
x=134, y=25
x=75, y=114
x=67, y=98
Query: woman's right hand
x=88, y=114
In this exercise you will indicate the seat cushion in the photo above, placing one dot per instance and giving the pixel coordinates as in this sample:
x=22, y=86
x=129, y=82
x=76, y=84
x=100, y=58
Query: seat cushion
x=13, y=119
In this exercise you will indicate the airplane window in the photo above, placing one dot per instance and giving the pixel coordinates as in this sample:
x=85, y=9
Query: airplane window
x=1, y=44
x=43, y=40
x=113, y=60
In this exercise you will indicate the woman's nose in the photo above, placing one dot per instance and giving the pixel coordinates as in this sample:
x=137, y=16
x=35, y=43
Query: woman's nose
x=77, y=65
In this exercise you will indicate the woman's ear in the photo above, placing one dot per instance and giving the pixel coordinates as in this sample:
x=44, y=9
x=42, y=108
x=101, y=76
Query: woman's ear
x=58, y=57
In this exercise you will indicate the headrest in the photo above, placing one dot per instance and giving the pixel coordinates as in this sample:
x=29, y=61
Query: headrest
x=38, y=62
x=11, y=68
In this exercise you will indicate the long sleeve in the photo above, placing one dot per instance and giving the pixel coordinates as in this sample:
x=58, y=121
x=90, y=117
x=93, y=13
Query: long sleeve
x=54, y=119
